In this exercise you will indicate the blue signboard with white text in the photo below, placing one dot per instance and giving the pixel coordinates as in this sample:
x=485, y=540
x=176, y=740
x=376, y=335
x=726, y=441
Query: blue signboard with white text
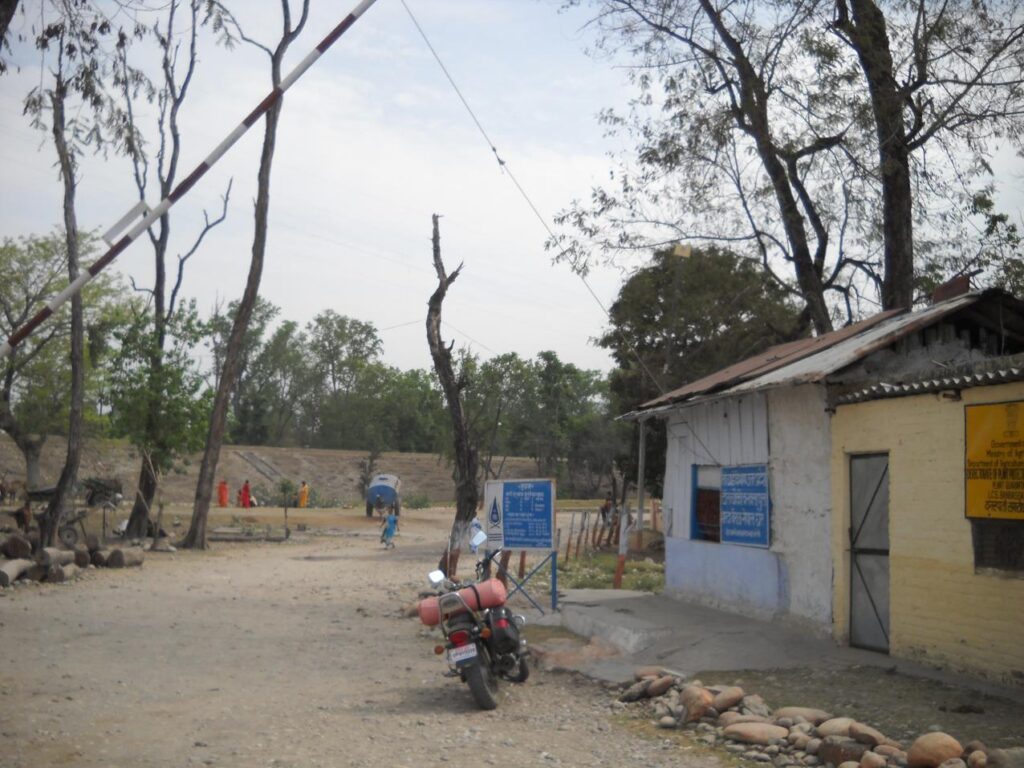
x=746, y=506
x=520, y=514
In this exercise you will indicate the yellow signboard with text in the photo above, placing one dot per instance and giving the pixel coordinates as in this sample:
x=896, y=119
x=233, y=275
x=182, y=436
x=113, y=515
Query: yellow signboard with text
x=994, y=462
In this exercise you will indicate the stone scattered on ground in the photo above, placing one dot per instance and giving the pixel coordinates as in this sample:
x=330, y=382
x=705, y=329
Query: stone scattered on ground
x=727, y=717
x=933, y=749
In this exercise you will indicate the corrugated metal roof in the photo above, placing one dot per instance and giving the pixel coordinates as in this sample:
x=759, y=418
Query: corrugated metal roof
x=810, y=360
x=771, y=359
x=849, y=351
x=937, y=384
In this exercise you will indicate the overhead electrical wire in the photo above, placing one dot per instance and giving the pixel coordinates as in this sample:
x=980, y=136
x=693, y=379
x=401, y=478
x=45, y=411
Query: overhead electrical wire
x=505, y=169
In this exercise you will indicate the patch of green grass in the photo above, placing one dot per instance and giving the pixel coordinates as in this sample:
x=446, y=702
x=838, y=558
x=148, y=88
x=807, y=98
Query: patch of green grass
x=597, y=571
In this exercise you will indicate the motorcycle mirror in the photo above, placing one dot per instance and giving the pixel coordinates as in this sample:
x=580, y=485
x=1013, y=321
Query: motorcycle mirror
x=436, y=578
x=478, y=538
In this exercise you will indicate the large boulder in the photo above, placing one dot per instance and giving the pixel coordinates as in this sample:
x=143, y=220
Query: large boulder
x=809, y=714
x=836, y=726
x=696, y=702
x=660, y=686
x=731, y=718
x=865, y=734
x=636, y=691
x=933, y=749
x=755, y=733
x=728, y=697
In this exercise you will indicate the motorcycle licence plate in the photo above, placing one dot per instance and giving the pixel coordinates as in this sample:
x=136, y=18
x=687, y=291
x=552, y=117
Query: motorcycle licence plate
x=462, y=654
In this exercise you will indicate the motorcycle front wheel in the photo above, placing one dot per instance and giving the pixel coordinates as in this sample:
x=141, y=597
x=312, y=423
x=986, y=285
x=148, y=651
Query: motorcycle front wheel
x=483, y=683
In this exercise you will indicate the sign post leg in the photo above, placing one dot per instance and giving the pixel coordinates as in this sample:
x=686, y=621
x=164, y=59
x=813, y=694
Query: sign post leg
x=554, y=580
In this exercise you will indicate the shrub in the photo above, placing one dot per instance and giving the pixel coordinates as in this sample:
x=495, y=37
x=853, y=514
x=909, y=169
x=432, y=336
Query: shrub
x=416, y=501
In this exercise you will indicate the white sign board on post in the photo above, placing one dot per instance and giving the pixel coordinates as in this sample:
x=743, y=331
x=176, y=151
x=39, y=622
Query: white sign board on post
x=520, y=514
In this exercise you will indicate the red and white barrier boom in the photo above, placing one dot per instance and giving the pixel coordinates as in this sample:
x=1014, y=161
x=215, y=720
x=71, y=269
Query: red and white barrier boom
x=151, y=215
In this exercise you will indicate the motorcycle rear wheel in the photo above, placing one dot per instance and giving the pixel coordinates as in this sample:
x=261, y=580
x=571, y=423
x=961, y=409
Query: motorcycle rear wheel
x=483, y=683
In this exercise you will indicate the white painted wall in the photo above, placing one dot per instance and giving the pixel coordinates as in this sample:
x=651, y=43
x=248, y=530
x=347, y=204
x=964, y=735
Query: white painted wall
x=789, y=430
x=800, y=471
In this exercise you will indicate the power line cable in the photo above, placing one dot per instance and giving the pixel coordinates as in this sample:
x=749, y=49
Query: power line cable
x=505, y=169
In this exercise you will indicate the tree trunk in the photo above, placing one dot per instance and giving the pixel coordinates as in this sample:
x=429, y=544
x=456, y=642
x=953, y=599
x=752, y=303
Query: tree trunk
x=866, y=30
x=754, y=120
x=16, y=547
x=31, y=446
x=54, y=556
x=138, y=522
x=466, y=454
x=82, y=556
x=7, y=9
x=11, y=571
x=125, y=558
x=100, y=557
x=59, y=573
x=196, y=536
x=68, y=476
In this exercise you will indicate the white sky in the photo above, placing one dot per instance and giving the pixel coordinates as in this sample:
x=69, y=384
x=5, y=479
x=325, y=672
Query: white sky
x=373, y=141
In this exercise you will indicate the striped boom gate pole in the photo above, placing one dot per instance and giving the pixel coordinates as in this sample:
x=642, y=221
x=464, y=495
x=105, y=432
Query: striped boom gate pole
x=20, y=334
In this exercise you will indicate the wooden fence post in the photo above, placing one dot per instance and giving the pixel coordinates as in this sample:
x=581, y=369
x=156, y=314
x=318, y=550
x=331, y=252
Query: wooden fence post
x=585, y=518
x=620, y=564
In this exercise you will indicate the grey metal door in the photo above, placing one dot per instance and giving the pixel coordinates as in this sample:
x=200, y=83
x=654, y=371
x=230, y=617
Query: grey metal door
x=869, y=552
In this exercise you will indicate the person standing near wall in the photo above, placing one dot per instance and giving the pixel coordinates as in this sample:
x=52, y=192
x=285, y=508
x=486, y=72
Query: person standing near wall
x=246, y=494
x=222, y=493
x=303, y=495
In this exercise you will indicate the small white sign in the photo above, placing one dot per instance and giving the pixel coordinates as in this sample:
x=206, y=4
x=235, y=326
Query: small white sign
x=493, y=520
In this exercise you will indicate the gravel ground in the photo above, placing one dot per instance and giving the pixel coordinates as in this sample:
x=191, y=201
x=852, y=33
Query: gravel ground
x=277, y=655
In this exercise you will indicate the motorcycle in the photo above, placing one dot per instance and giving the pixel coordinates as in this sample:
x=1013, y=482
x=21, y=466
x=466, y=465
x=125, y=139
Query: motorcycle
x=483, y=642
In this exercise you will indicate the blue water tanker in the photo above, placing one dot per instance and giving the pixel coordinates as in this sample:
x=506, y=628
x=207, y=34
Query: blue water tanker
x=387, y=488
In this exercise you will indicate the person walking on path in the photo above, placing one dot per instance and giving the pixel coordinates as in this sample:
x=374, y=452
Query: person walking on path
x=246, y=494
x=303, y=495
x=390, y=525
x=222, y=493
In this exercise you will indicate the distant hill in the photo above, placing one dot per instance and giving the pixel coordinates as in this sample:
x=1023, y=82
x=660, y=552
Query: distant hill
x=333, y=475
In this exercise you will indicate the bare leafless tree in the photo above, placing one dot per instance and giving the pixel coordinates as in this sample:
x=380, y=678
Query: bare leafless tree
x=177, y=66
x=466, y=454
x=196, y=536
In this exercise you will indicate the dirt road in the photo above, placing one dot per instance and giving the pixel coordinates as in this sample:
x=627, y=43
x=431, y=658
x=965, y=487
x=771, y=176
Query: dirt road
x=275, y=655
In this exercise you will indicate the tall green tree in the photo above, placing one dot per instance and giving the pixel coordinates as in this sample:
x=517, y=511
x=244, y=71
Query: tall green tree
x=177, y=386
x=685, y=318
x=281, y=381
x=839, y=142
x=34, y=396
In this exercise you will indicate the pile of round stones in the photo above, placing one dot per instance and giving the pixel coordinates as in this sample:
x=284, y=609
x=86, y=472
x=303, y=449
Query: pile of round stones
x=727, y=717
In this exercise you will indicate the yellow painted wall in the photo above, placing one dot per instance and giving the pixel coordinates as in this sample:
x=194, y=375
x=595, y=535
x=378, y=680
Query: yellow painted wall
x=941, y=610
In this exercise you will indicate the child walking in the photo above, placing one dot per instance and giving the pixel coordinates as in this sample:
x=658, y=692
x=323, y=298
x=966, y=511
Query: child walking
x=390, y=525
